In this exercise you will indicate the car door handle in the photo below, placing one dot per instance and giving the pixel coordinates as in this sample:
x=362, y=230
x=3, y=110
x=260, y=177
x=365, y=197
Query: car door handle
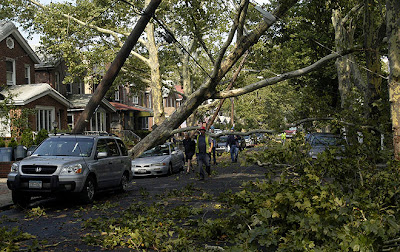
x=109, y=162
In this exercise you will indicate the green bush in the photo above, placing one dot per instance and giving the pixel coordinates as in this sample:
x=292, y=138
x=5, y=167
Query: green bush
x=2, y=142
x=42, y=135
x=27, y=138
x=12, y=143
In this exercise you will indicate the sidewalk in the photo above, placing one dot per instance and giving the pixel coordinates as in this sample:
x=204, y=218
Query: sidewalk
x=5, y=194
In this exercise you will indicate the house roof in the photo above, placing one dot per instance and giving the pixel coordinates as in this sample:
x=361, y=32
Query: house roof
x=124, y=107
x=24, y=94
x=79, y=102
x=7, y=28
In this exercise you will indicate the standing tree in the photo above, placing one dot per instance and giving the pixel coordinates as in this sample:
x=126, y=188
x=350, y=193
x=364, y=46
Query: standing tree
x=393, y=34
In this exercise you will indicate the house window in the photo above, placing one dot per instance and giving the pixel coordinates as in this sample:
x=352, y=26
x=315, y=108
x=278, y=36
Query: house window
x=68, y=87
x=144, y=123
x=98, y=121
x=117, y=94
x=44, y=118
x=57, y=81
x=80, y=88
x=27, y=74
x=135, y=99
x=70, y=121
x=10, y=68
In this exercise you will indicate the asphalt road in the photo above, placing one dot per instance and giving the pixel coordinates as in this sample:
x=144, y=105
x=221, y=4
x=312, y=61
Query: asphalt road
x=58, y=222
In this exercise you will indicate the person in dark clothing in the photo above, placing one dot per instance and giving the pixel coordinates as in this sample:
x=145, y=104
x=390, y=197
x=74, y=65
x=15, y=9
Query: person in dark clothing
x=203, y=150
x=233, y=143
x=190, y=148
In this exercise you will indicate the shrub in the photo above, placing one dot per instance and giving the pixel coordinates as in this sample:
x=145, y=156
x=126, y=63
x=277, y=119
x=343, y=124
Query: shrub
x=2, y=143
x=12, y=143
x=42, y=134
x=27, y=138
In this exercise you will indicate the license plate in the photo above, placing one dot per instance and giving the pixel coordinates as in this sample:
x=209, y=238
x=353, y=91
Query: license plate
x=35, y=184
x=142, y=171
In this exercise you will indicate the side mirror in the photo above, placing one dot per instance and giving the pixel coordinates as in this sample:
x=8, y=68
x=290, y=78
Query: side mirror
x=28, y=153
x=101, y=155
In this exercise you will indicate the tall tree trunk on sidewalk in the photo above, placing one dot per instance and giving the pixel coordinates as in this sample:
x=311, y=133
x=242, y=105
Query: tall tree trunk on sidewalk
x=348, y=72
x=115, y=67
x=393, y=34
x=155, y=83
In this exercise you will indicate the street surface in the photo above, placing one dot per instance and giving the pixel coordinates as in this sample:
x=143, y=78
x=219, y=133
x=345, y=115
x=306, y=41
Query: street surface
x=58, y=222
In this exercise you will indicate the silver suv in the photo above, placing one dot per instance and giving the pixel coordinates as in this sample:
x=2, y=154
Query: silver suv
x=71, y=164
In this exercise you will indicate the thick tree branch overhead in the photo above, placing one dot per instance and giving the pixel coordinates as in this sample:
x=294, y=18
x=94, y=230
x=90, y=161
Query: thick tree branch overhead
x=280, y=78
x=221, y=67
x=115, y=67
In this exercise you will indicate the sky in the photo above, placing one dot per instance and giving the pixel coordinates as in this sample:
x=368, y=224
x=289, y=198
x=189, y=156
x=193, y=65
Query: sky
x=36, y=38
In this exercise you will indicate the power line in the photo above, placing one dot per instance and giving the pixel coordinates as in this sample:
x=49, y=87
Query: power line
x=169, y=36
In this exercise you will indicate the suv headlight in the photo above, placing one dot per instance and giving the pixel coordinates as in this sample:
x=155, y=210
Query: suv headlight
x=75, y=168
x=14, y=167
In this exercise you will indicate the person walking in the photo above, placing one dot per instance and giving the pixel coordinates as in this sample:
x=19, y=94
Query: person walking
x=283, y=137
x=214, y=144
x=203, y=148
x=233, y=143
x=190, y=148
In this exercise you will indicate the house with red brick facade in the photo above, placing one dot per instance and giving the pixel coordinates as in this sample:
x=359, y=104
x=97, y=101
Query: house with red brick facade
x=17, y=59
x=47, y=106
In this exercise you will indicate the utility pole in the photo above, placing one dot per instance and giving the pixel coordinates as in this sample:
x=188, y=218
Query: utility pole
x=115, y=67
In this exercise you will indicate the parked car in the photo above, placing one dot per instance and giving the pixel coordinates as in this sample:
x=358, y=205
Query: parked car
x=161, y=160
x=249, y=140
x=71, y=164
x=221, y=145
x=319, y=142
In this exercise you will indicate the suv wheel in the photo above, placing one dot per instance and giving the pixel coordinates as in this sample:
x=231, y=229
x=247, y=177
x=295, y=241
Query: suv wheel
x=124, y=183
x=88, y=191
x=20, y=199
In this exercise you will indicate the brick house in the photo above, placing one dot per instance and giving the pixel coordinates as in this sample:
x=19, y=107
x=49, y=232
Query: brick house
x=17, y=59
x=133, y=110
x=49, y=107
x=101, y=119
x=17, y=75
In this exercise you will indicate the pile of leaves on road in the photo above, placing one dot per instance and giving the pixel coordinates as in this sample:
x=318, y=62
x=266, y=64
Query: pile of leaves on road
x=328, y=204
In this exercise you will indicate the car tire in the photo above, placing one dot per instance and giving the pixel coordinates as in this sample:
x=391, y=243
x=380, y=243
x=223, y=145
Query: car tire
x=20, y=199
x=123, y=186
x=88, y=191
x=170, y=170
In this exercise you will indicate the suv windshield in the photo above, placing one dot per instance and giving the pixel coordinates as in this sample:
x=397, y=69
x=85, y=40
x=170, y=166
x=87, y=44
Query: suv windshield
x=78, y=147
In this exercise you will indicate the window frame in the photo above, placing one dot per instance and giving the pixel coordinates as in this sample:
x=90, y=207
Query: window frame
x=13, y=75
x=27, y=74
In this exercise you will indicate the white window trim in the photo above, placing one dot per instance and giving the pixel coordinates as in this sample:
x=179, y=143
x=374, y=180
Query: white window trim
x=73, y=119
x=135, y=99
x=13, y=82
x=28, y=75
x=52, y=116
x=103, y=120
x=117, y=95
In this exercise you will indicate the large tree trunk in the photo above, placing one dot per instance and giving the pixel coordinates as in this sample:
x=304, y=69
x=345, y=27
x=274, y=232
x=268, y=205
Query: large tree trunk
x=155, y=84
x=344, y=38
x=221, y=67
x=115, y=67
x=393, y=34
x=372, y=41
